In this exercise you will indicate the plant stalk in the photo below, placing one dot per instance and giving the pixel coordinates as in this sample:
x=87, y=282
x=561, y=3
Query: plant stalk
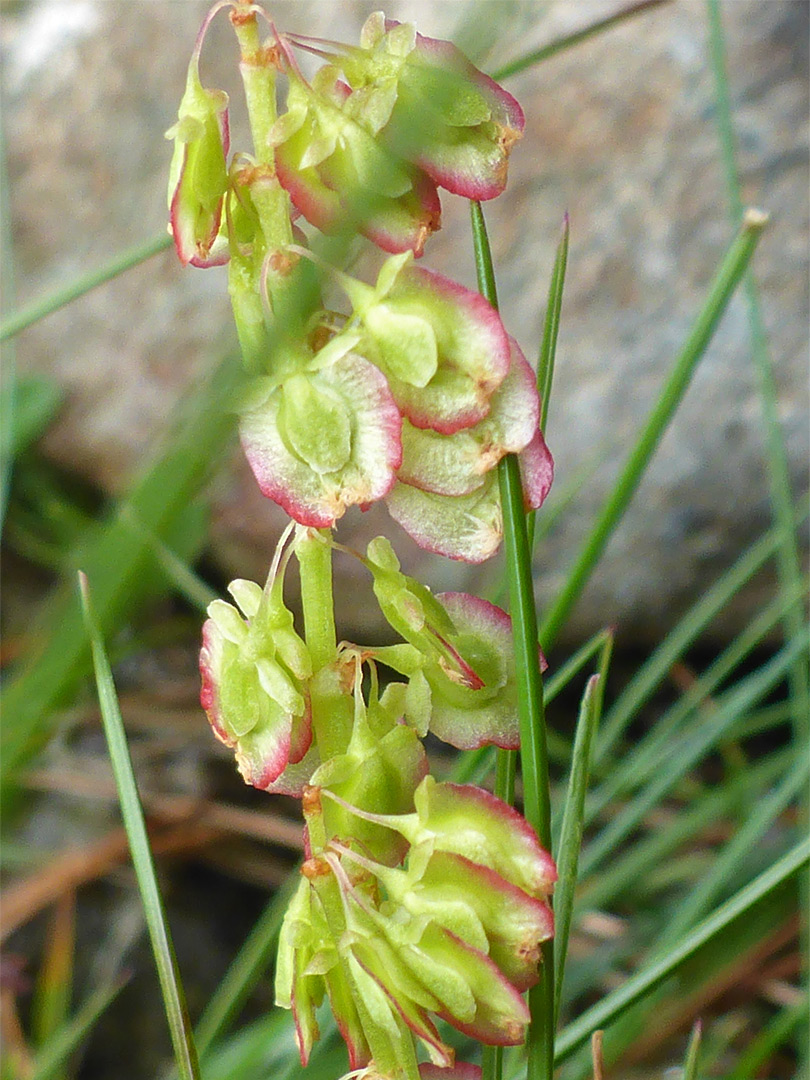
x=533, y=748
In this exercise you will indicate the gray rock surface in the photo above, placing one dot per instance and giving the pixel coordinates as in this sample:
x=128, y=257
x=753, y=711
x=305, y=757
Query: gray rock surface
x=620, y=133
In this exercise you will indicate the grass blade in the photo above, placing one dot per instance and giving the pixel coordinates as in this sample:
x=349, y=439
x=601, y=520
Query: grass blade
x=615, y=1003
x=548, y=345
x=684, y=754
x=788, y=560
x=567, y=853
x=122, y=567
x=20, y=320
x=551, y=326
x=533, y=747
x=774, y=1035
x=51, y=1004
x=692, y=1053
x=760, y=818
x=654, y=849
x=642, y=761
x=132, y=814
x=679, y=639
x=720, y=292
x=569, y=40
x=50, y=1062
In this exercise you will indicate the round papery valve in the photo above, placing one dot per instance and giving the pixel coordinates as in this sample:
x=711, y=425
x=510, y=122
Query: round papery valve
x=486, y=715
x=428, y=103
x=253, y=706
x=457, y=464
x=464, y=527
x=469, y=122
x=472, y=351
x=339, y=177
x=325, y=440
x=470, y=527
x=425, y=969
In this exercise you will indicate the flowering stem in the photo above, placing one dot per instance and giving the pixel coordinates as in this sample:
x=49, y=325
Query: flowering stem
x=534, y=753
x=259, y=79
x=314, y=553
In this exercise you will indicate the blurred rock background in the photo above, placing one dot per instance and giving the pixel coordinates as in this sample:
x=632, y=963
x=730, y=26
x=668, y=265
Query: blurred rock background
x=620, y=133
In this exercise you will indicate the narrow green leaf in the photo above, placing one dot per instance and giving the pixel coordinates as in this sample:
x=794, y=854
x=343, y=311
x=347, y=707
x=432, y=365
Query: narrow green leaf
x=36, y=401
x=720, y=292
x=657, y=666
x=548, y=344
x=657, y=847
x=616, y=1002
x=50, y=1006
x=567, y=854
x=20, y=320
x=132, y=813
x=788, y=558
x=693, y=1052
x=643, y=759
x=689, y=749
x=8, y=376
x=760, y=817
x=551, y=325
x=62, y=1044
x=757, y=1053
x=533, y=747
x=562, y=43
x=189, y=584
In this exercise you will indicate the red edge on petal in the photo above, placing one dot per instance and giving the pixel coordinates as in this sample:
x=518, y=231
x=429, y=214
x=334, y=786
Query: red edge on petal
x=209, y=699
x=507, y=108
x=497, y=807
x=477, y=308
x=512, y=1034
x=537, y=471
x=426, y=1030
x=303, y=1048
x=492, y=880
x=271, y=770
x=465, y=606
x=278, y=493
x=438, y=547
x=395, y=242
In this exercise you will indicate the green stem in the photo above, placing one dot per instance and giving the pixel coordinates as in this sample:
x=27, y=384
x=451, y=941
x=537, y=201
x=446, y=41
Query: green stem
x=314, y=554
x=533, y=749
x=566, y=42
x=725, y=282
x=331, y=722
x=259, y=80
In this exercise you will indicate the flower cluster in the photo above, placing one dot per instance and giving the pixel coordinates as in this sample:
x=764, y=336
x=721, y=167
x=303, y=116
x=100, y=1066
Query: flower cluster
x=415, y=400
x=419, y=900
x=454, y=933
x=416, y=392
